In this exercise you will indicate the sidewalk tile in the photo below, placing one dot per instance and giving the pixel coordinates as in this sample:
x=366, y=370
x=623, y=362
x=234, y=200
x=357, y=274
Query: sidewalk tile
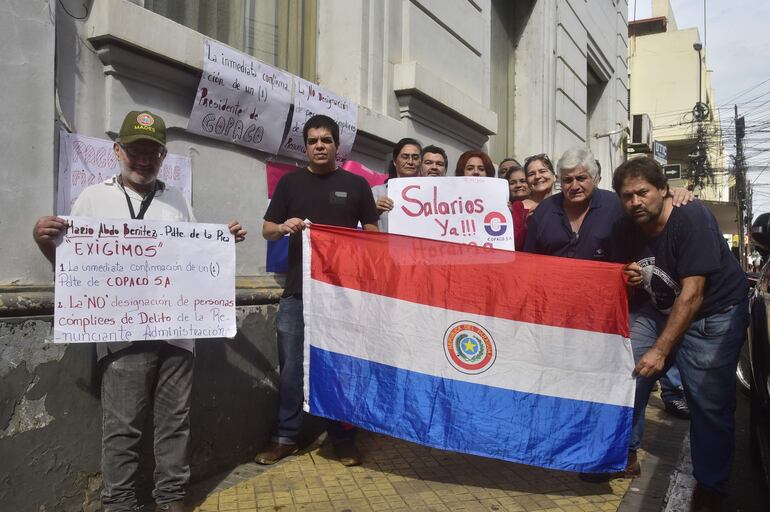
x=398, y=475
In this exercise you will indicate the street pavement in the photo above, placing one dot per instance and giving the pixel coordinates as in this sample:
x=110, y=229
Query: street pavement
x=398, y=475
x=747, y=492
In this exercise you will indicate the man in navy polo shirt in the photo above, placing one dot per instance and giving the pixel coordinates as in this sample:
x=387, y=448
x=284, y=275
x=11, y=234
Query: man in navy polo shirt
x=582, y=221
x=588, y=223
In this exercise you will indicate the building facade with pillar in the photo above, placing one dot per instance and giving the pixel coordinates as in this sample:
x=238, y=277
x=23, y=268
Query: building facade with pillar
x=512, y=78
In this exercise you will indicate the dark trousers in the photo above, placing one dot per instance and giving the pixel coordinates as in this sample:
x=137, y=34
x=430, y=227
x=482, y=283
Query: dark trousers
x=290, y=326
x=146, y=376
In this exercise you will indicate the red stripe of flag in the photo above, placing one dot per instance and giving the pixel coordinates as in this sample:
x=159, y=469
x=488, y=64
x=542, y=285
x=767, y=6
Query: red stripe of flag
x=545, y=290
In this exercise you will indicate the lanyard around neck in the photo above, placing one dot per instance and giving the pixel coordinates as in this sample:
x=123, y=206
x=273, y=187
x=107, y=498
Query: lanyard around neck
x=145, y=202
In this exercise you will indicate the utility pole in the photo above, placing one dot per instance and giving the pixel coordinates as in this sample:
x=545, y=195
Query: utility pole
x=699, y=170
x=740, y=185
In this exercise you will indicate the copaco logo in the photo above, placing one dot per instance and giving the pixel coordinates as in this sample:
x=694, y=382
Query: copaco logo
x=495, y=224
x=469, y=347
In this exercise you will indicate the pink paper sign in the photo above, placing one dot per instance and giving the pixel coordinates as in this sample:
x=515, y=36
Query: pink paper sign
x=275, y=171
x=374, y=178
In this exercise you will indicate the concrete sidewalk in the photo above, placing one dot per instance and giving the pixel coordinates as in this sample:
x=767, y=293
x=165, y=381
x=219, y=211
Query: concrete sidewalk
x=398, y=475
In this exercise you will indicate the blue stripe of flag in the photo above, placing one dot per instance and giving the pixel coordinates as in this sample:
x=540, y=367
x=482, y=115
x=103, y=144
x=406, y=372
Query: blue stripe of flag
x=527, y=428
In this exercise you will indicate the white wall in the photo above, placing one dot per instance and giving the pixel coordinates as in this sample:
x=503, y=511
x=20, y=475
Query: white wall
x=551, y=79
x=417, y=68
x=26, y=136
x=422, y=64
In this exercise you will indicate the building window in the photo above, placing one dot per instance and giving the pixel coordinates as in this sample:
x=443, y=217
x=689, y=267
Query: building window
x=279, y=33
x=508, y=20
x=596, y=112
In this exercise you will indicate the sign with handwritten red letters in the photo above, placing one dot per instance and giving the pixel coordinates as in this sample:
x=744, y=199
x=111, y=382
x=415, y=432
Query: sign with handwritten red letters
x=85, y=161
x=129, y=280
x=465, y=210
x=240, y=99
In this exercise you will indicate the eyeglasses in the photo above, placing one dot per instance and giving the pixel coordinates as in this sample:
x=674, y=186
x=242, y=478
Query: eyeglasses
x=406, y=157
x=134, y=153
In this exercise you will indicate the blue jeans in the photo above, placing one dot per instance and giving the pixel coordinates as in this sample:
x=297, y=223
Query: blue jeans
x=707, y=357
x=671, y=385
x=290, y=327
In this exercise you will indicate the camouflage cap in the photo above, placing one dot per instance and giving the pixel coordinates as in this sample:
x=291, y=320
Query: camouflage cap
x=139, y=125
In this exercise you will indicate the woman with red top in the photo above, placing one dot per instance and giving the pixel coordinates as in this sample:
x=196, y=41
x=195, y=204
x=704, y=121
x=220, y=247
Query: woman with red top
x=517, y=181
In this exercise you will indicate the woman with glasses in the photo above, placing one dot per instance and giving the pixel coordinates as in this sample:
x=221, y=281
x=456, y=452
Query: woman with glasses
x=406, y=163
x=475, y=163
x=406, y=159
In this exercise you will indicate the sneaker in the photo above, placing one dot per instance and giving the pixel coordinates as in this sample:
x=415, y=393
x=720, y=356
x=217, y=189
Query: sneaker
x=347, y=453
x=706, y=500
x=678, y=409
x=274, y=452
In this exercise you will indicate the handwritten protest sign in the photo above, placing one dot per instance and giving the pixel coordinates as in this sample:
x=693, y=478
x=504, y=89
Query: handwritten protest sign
x=309, y=100
x=85, y=161
x=467, y=210
x=129, y=280
x=240, y=99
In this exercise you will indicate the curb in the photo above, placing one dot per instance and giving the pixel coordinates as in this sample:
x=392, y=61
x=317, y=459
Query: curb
x=680, y=490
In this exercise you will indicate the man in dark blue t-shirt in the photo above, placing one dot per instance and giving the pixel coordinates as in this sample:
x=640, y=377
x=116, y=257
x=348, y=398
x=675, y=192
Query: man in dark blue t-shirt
x=324, y=194
x=696, y=315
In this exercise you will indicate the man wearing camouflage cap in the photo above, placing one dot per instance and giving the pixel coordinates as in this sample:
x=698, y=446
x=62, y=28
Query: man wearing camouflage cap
x=147, y=377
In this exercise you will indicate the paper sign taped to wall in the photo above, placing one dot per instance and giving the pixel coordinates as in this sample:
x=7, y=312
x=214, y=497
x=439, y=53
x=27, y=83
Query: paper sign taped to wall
x=131, y=280
x=309, y=100
x=85, y=161
x=240, y=99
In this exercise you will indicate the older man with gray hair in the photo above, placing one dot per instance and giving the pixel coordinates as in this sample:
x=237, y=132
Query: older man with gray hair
x=581, y=221
x=588, y=223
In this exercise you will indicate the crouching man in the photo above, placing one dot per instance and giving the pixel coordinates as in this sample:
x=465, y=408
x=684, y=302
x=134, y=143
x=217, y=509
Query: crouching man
x=695, y=313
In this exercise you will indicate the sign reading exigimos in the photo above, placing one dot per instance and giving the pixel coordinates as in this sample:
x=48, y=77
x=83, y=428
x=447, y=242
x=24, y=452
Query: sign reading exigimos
x=130, y=280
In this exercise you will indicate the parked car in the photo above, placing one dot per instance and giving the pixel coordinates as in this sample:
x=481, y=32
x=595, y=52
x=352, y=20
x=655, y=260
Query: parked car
x=758, y=347
x=743, y=372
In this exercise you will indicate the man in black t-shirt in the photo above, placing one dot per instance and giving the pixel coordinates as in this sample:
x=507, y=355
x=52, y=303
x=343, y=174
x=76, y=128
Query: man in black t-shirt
x=324, y=194
x=696, y=314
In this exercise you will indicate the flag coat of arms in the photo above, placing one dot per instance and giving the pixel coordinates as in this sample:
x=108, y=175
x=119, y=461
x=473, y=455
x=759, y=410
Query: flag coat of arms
x=515, y=356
